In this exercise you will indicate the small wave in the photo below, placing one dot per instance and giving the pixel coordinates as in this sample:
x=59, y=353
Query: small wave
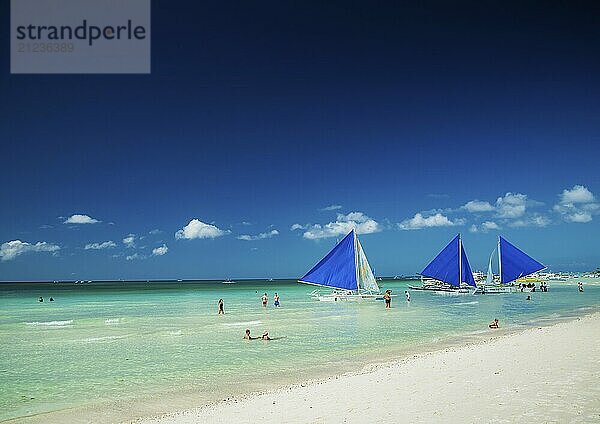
x=242, y=324
x=473, y=302
x=174, y=333
x=51, y=323
x=111, y=321
x=102, y=339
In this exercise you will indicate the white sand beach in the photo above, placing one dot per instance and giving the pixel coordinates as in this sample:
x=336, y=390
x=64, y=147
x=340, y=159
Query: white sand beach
x=540, y=375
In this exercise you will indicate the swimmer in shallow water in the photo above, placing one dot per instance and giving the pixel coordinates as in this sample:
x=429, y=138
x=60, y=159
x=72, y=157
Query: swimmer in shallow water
x=494, y=324
x=247, y=336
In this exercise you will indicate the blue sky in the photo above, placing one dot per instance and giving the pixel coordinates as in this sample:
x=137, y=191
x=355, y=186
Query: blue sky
x=411, y=123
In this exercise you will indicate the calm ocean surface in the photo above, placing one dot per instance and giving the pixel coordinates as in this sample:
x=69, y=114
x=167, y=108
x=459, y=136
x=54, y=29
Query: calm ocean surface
x=150, y=342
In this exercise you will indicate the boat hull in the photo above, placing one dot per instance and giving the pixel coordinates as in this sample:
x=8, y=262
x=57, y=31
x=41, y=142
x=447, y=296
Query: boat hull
x=337, y=296
x=446, y=291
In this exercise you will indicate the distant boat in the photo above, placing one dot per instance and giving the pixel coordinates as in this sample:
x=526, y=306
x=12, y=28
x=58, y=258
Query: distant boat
x=513, y=265
x=228, y=281
x=449, y=273
x=346, y=270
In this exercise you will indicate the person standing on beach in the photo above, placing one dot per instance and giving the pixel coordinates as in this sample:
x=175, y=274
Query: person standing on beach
x=276, y=300
x=265, y=299
x=388, y=299
x=221, y=311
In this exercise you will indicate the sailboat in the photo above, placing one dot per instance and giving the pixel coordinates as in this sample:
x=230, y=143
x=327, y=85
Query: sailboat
x=449, y=273
x=346, y=270
x=513, y=264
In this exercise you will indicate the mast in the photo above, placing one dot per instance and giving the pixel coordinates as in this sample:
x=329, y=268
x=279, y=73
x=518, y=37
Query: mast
x=459, y=260
x=499, y=261
x=356, y=260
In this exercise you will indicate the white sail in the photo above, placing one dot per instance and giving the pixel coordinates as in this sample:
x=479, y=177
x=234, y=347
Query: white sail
x=366, y=279
x=490, y=276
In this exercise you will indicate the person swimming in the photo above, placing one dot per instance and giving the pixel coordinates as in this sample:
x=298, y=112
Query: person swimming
x=247, y=336
x=51, y=300
x=494, y=324
x=265, y=336
x=41, y=299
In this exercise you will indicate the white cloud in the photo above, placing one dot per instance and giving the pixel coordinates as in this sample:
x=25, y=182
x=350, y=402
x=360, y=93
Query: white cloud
x=99, y=246
x=154, y=232
x=578, y=194
x=438, y=220
x=478, y=206
x=531, y=221
x=11, y=249
x=580, y=217
x=577, y=205
x=342, y=226
x=135, y=256
x=512, y=205
x=159, y=251
x=129, y=241
x=260, y=236
x=197, y=229
x=489, y=225
x=484, y=227
x=80, y=219
x=332, y=208
x=295, y=227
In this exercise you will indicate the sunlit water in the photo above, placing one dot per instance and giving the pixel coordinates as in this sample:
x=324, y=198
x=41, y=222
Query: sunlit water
x=100, y=342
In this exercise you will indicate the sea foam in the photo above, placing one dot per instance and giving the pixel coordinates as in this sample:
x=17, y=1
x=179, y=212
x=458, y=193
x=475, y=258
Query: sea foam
x=51, y=323
x=242, y=324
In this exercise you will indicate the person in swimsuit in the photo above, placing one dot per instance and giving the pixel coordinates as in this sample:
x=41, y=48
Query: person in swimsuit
x=276, y=300
x=388, y=299
x=265, y=336
x=407, y=294
x=221, y=311
x=265, y=299
x=247, y=336
x=494, y=324
x=41, y=299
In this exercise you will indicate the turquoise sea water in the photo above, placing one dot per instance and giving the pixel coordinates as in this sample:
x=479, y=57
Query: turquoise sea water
x=163, y=346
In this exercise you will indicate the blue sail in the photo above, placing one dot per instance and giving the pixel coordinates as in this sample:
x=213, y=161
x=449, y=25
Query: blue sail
x=444, y=266
x=515, y=263
x=467, y=274
x=338, y=268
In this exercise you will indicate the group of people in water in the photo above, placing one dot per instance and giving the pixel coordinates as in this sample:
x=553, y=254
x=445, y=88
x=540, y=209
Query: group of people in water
x=41, y=299
x=265, y=300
